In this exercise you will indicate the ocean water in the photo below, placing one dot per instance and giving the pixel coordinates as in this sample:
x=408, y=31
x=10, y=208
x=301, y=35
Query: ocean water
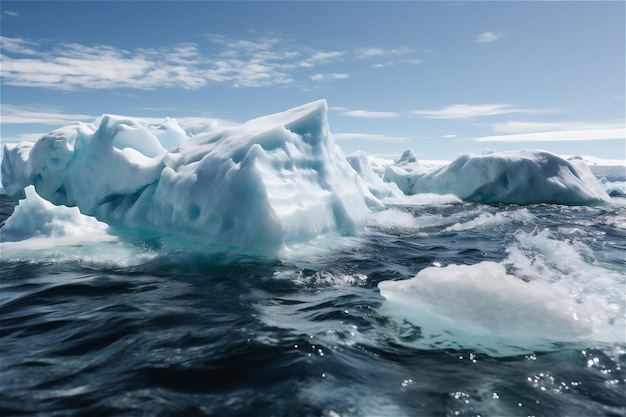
x=132, y=329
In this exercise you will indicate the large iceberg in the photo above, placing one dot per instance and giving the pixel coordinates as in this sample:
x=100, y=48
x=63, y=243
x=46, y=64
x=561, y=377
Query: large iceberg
x=519, y=177
x=272, y=181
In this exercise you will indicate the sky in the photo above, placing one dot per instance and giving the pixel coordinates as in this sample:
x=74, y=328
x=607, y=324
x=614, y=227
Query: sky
x=441, y=78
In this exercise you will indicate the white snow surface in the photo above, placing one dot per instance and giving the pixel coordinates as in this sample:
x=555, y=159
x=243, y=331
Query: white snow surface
x=518, y=177
x=271, y=181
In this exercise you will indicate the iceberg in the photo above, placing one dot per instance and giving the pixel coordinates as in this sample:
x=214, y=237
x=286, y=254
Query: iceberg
x=272, y=181
x=610, y=172
x=375, y=188
x=483, y=307
x=35, y=217
x=514, y=177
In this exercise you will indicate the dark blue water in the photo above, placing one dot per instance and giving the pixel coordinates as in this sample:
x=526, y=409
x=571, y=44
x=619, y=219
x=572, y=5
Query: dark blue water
x=181, y=333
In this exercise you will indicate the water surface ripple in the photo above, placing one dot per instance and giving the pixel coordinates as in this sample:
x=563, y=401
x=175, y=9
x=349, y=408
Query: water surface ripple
x=181, y=333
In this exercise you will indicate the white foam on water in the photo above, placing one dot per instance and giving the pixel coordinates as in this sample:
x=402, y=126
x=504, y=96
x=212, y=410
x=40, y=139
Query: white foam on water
x=492, y=219
x=395, y=219
x=569, y=268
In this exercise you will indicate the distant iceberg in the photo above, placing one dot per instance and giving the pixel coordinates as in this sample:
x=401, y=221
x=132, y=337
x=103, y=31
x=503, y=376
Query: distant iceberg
x=519, y=177
x=274, y=180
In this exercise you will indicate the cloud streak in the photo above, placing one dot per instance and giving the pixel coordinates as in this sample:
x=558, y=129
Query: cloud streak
x=39, y=115
x=219, y=60
x=331, y=76
x=468, y=111
x=454, y=111
x=371, y=114
x=11, y=13
x=555, y=132
x=488, y=37
x=370, y=137
x=75, y=66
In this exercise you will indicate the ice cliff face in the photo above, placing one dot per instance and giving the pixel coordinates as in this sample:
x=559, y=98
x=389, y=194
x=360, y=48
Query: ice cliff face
x=273, y=180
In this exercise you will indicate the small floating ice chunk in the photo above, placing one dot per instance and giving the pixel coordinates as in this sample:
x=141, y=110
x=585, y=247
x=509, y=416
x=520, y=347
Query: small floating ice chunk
x=476, y=303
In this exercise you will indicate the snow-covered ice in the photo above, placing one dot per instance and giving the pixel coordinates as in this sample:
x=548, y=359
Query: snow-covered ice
x=610, y=172
x=373, y=182
x=519, y=177
x=274, y=180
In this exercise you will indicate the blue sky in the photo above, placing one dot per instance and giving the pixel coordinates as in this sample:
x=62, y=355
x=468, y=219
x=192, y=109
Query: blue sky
x=442, y=78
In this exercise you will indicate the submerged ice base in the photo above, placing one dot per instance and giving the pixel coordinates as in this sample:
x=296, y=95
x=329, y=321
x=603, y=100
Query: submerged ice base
x=274, y=180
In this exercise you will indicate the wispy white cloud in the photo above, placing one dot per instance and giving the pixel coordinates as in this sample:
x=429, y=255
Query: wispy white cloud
x=558, y=136
x=22, y=137
x=11, y=13
x=239, y=63
x=556, y=132
x=18, y=46
x=75, y=66
x=258, y=61
x=380, y=52
x=321, y=57
x=12, y=114
x=467, y=111
x=454, y=111
x=525, y=127
x=487, y=37
x=371, y=114
x=50, y=116
x=331, y=76
x=370, y=137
